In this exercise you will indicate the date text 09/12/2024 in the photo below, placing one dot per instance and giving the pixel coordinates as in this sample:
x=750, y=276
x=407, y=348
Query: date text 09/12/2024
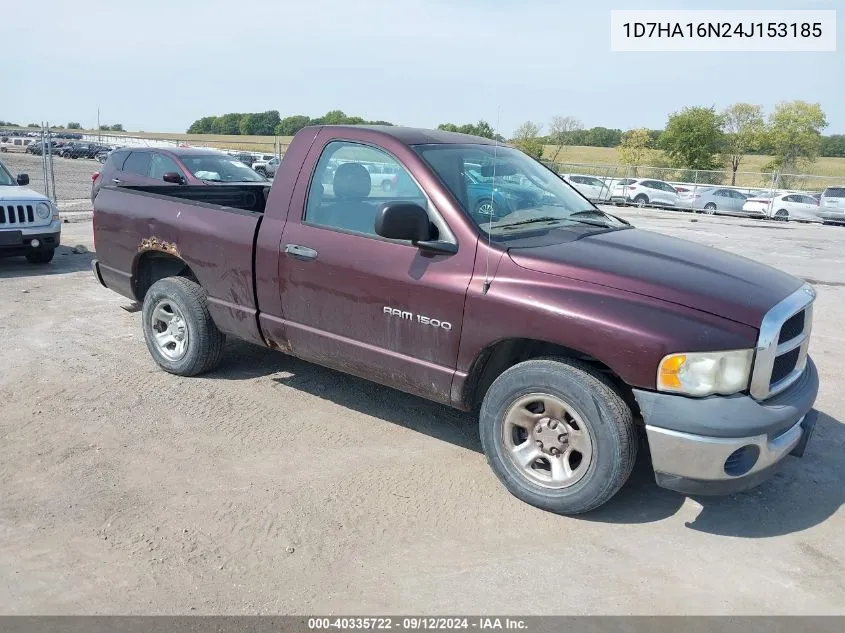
x=416, y=623
x=723, y=29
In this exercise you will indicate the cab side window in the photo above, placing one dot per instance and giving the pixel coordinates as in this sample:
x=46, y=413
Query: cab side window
x=161, y=164
x=138, y=163
x=344, y=194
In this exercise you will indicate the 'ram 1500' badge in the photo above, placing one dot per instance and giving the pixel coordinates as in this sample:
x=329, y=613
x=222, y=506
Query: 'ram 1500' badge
x=417, y=318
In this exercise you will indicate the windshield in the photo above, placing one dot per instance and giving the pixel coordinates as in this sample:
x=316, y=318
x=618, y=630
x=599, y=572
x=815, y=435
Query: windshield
x=219, y=169
x=507, y=193
x=5, y=177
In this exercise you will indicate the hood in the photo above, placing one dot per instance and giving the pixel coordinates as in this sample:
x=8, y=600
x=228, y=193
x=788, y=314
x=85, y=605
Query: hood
x=666, y=268
x=14, y=192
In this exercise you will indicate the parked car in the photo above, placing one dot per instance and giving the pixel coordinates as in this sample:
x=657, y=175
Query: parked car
x=260, y=163
x=713, y=200
x=562, y=325
x=785, y=207
x=590, y=187
x=165, y=166
x=832, y=204
x=645, y=192
x=29, y=221
x=271, y=167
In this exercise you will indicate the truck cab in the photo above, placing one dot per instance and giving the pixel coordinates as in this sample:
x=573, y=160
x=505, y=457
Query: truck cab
x=29, y=221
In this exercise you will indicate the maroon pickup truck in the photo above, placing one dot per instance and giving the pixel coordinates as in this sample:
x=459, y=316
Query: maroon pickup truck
x=482, y=280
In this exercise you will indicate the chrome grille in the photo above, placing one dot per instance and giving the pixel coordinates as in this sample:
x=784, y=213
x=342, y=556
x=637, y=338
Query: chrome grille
x=16, y=214
x=781, y=353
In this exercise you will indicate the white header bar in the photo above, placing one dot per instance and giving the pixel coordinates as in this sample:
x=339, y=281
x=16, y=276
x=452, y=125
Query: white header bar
x=724, y=31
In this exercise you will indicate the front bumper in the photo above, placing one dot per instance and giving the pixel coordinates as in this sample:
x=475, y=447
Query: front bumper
x=722, y=445
x=18, y=241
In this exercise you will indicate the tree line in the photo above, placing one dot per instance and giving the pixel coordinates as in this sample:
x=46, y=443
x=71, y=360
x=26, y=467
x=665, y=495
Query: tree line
x=702, y=138
x=270, y=123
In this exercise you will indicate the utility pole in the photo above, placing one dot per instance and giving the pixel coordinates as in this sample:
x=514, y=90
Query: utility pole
x=99, y=133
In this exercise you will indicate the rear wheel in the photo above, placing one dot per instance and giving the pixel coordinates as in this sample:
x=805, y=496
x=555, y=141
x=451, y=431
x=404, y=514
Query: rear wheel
x=641, y=200
x=178, y=329
x=782, y=215
x=710, y=208
x=557, y=435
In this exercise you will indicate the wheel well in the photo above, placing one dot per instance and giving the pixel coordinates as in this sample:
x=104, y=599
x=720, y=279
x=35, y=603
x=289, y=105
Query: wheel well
x=153, y=266
x=498, y=357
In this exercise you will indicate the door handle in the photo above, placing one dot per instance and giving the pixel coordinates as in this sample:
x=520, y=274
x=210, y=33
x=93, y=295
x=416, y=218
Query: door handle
x=116, y=181
x=301, y=252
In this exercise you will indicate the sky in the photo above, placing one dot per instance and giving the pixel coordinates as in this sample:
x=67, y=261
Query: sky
x=157, y=65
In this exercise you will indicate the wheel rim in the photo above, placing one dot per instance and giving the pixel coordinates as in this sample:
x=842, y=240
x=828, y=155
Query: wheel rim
x=486, y=208
x=546, y=441
x=640, y=202
x=709, y=209
x=782, y=216
x=170, y=331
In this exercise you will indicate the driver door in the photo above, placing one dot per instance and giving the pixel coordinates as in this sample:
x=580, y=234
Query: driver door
x=381, y=309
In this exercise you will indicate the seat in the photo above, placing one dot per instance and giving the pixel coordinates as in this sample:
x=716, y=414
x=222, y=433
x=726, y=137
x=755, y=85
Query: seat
x=350, y=209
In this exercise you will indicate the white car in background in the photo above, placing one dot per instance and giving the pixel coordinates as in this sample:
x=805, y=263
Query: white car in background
x=590, y=187
x=832, y=204
x=645, y=191
x=785, y=207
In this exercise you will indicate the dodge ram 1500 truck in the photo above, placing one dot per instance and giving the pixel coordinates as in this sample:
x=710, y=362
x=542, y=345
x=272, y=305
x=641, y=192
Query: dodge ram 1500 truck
x=568, y=330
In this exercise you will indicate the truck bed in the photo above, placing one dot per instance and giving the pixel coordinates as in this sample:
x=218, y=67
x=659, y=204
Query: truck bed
x=211, y=228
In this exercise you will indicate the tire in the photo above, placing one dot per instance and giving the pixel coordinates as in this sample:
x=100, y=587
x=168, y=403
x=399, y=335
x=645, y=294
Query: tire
x=781, y=215
x=201, y=343
x=41, y=256
x=485, y=208
x=595, y=407
x=641, y=200
x=710, y=208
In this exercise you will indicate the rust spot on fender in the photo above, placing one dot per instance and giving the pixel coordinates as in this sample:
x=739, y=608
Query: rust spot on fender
x=279, y=347
x=158, y=244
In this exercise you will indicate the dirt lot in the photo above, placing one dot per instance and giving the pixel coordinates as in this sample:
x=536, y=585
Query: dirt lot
x=275, y=486
x=73, y=176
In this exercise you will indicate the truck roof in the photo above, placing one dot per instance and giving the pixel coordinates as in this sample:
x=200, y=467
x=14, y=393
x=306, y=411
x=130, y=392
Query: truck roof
x=413, y=135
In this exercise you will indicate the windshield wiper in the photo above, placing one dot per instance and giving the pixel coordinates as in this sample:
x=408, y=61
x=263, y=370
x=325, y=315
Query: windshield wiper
x=599, y=213
x=531, y=221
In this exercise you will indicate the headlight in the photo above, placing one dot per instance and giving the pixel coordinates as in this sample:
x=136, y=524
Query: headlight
x=43, y=210
x=705, y=373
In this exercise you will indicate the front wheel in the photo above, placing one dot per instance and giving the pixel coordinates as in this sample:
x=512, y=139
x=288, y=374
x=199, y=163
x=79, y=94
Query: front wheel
x=178, y=329
x=641, y=200
x=557, y=435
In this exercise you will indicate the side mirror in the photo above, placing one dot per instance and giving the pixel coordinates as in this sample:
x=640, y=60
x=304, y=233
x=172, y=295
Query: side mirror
x=408, y=221
x=173, y=177
x=403, y=221
x=23, y=180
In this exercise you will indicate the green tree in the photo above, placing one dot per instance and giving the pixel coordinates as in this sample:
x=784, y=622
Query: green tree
x=204, y=125
x=833, y=145
x=602, y=137
x=693, y=138
x=117, y=127
x=73, y=125
x=794, y=134
x=292, y=124
x=482, y=128
x=104, y=128
x=560, y=133
x=743, y=126
x=527, y=139
x=32, y=125
x=248, y=124
x=634, y=147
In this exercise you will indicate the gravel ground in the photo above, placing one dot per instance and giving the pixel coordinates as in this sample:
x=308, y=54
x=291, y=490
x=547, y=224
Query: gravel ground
x=276, y=486
x=73, y=177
